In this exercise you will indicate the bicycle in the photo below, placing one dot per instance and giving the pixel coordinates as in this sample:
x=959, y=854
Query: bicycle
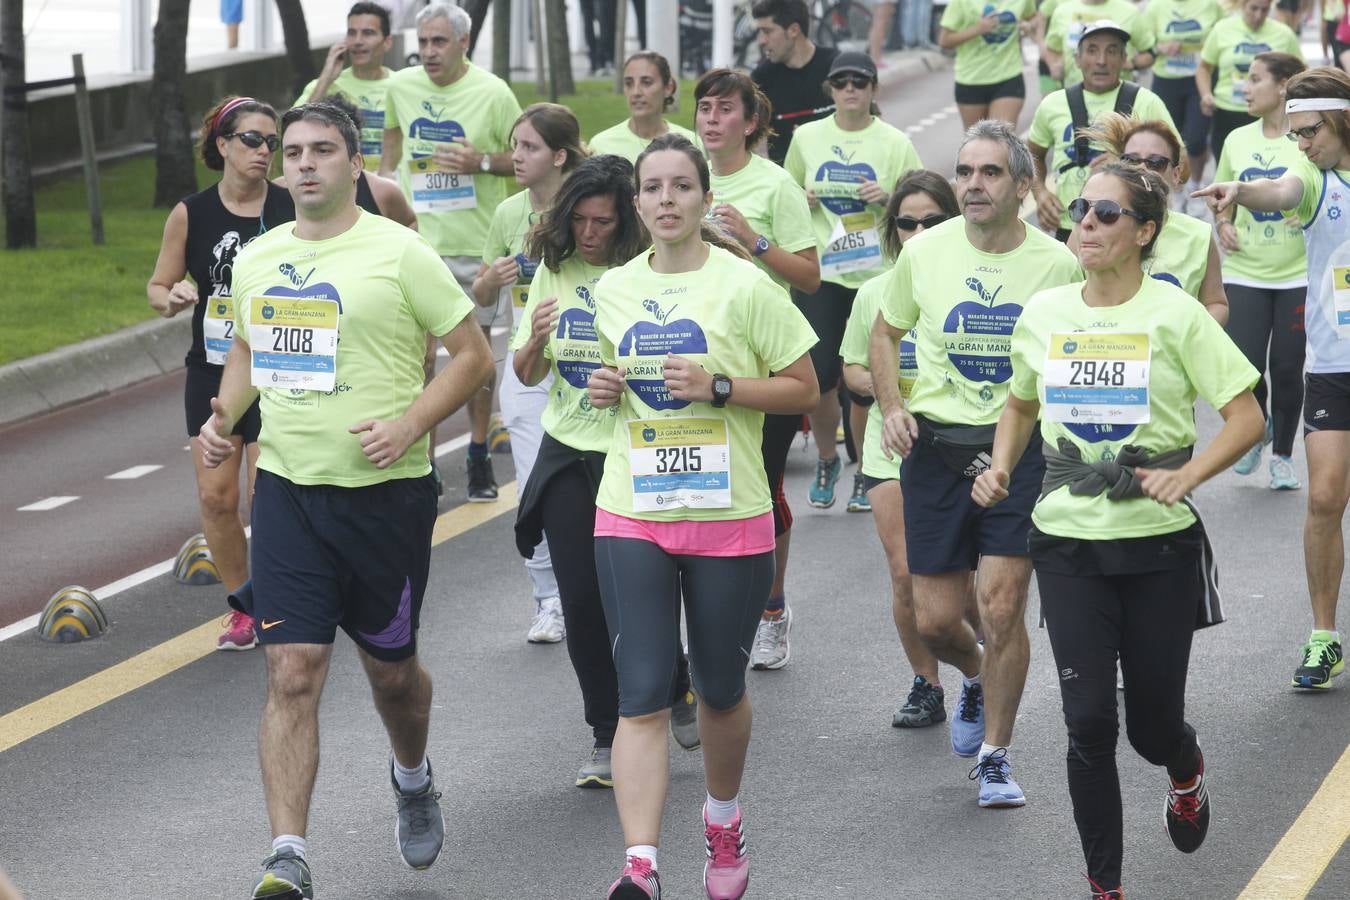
x=843, y=24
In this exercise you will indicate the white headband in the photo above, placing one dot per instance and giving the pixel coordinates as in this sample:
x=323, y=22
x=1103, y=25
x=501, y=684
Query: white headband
x=1315, y=104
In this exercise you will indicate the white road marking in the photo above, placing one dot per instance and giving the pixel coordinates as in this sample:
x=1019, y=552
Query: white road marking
x=133, y=472
x=48, y=503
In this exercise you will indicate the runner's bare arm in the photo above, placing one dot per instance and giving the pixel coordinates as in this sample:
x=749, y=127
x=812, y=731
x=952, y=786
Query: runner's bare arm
x=899, y=428
x=1263, y=194
x=791, y=390
x=237, y=393
x=530, y=362
x=1211, y=289
x=168, y=292
x=1243, y=425
x=858, y=378
x=389, y=198
x=391, y=152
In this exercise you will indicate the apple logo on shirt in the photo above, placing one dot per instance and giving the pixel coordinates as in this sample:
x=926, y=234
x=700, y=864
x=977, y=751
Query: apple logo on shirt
x=1264, y=168
x=979, y=335
x=578, y=324
x=1007, y=24
x=847, y=175
x=657, y=339
x=433, y=129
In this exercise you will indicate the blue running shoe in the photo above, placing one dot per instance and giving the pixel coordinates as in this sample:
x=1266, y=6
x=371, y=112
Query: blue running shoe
x=968, y=726
x=1282, y=477
x=1252, y=458
x=997, y=788
x=821, y=495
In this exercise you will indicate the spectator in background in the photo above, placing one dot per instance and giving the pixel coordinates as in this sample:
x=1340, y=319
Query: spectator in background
x=916, y=24
x=231, y=13
x=793, y=72
x=883, y=13
x=598, y=19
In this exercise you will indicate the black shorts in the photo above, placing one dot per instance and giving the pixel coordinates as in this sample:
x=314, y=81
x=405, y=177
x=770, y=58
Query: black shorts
x=1181, y=96
x=202, y=384
x=827, y=312
x=1326, y=402
x=1287, y=5
x=947, y=531
x=775, y=444
x=862, y=401
x=870, y=482
x=984, y=94
x=327, y=557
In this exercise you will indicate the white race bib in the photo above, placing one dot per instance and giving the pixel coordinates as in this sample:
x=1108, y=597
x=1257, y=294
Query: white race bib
x=1097, y=378
x=294, y=341
x=1340, y=297
x=854, y=246
x=1181, y=64
x=218, y=329
x=679, y=463
x=1239, y=88
x=437, y=191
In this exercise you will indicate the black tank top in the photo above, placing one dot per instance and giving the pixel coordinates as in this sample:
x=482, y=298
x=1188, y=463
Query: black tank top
x=214, y=237
x=365, y=197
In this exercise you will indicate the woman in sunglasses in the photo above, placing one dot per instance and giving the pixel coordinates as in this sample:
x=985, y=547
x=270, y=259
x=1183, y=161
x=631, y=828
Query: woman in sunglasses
x=1186, y=254
x=843, y=161
x=202, y=236
x=1265, y=273
x=1111, y=366
x=920, y=201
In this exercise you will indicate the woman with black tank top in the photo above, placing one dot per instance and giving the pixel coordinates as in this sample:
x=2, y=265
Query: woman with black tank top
x=202, y=236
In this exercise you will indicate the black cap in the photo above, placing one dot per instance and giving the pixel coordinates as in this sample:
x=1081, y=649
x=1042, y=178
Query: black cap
x=853, y=61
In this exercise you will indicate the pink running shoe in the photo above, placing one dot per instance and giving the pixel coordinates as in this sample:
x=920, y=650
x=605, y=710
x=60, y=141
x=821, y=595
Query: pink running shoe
x=727, y=871
x=239, y=633
x=639, y=881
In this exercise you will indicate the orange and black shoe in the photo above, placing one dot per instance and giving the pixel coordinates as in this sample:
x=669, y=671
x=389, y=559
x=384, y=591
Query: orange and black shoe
x=1187, y=811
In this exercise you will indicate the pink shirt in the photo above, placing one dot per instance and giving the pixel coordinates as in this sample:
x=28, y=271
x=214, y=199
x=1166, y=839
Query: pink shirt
x=729, y=537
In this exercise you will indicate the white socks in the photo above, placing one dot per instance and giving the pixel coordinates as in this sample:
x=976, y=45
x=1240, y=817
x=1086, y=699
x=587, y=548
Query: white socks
x=294, y=842
x=642, y=851
x=721, y=812
x=412, y=780
x=987, y=748
x=973, y=680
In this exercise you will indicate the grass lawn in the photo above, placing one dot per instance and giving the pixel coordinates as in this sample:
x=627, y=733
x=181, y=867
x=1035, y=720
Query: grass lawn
x=68, y=290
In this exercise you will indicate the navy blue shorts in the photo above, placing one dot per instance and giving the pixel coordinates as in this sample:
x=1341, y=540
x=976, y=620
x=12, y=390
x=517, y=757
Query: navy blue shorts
x=327, y=557
x=1181, y=96
x=947, y=531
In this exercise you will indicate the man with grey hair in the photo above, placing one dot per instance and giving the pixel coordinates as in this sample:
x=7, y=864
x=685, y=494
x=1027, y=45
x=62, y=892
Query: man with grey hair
x=447, y=136
x=960, y=287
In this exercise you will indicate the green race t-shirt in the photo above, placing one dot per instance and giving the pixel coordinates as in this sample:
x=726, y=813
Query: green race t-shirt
x=964, y=303
x=1270, y=250
x=853, y=350
x=1181, y=253
x=831, y=163
x=621, y=141
x=1188, y=354
x=1071, y=17
x=993, y=57
x=773, y=204
x=574, y=350
x=390, y=288
x=453, y=211
x=366, y=96
x=728, y=317
x=511, y=221
x=1052, y=128
x=1186, y=21
x=1230, y=49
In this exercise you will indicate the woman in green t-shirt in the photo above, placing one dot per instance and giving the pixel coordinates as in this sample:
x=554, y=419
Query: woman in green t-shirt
x=689, y=334
x=986, y=35
x=650, y=89
x=1109, y=367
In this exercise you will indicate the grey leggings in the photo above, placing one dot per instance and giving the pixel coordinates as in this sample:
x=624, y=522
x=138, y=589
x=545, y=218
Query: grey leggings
x=724, y=597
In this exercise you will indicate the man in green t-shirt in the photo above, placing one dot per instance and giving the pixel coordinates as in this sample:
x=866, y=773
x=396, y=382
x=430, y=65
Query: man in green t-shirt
x=344, y=504
x=962, y=286
x=365, y=80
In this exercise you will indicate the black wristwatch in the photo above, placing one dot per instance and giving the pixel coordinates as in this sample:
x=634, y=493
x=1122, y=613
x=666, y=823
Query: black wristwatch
x=721, y=390
x=760, y=246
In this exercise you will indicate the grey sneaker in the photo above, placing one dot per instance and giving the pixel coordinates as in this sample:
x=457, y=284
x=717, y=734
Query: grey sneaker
x=595, y=772
x=684, y=721
x=420, y=830
x=922, y=708
x=771, y=649
x=285, y=876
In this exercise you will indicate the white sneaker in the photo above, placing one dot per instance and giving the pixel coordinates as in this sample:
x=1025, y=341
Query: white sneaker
x=548, y=626
x=771, y=649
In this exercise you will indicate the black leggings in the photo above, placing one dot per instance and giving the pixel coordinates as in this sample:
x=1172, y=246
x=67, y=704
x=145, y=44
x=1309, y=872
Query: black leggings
x=1224, y=122
x=1148, y=619
x=1269, y=322
x=724, y=597
x=776, y=443
x=567, y=507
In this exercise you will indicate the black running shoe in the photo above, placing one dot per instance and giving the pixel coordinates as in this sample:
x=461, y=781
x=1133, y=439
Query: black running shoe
x=922, y=708
x=482, y=483
x=1187, y=812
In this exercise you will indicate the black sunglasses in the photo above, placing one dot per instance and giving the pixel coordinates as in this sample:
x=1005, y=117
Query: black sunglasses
x=1108, y=211
x=1307, y=132
x=1154, y=162
x=839, y=82
x=255, y=139
x=906, y=223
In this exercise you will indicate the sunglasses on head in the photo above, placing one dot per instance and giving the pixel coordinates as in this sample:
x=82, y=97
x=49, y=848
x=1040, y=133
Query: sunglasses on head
x=1307, y=132
x=908, y=223
x=1154, y=162
x=255, y=139
x=1108, y=211
x=839, y=82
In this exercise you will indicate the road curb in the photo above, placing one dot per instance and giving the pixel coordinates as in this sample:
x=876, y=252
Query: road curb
x=89, y=369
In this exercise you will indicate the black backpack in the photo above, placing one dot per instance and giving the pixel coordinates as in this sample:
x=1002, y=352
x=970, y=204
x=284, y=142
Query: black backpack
x=1078, y=110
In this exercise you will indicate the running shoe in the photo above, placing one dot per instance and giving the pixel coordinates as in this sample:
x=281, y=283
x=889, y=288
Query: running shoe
x=858, y=501
x=239, y=633
x=1101, y=893
x=997, y=788
x=1323, y=660
x=596, y=772
x=548, y=626
x=1252, y=458
x=968, y=726
x=771, y=648
x=821, y=495
x=727, y=871
x=482, y=483
x=420, y=829
x=285, y=876
x=922, y=708
x=1186, y=812
x=498, y=439
x=684, y=721
x=639, y=881
x=1282, y=477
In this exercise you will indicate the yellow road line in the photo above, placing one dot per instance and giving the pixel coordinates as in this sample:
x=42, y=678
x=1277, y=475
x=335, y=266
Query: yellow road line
x=61, y=706
x=1296, y=864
